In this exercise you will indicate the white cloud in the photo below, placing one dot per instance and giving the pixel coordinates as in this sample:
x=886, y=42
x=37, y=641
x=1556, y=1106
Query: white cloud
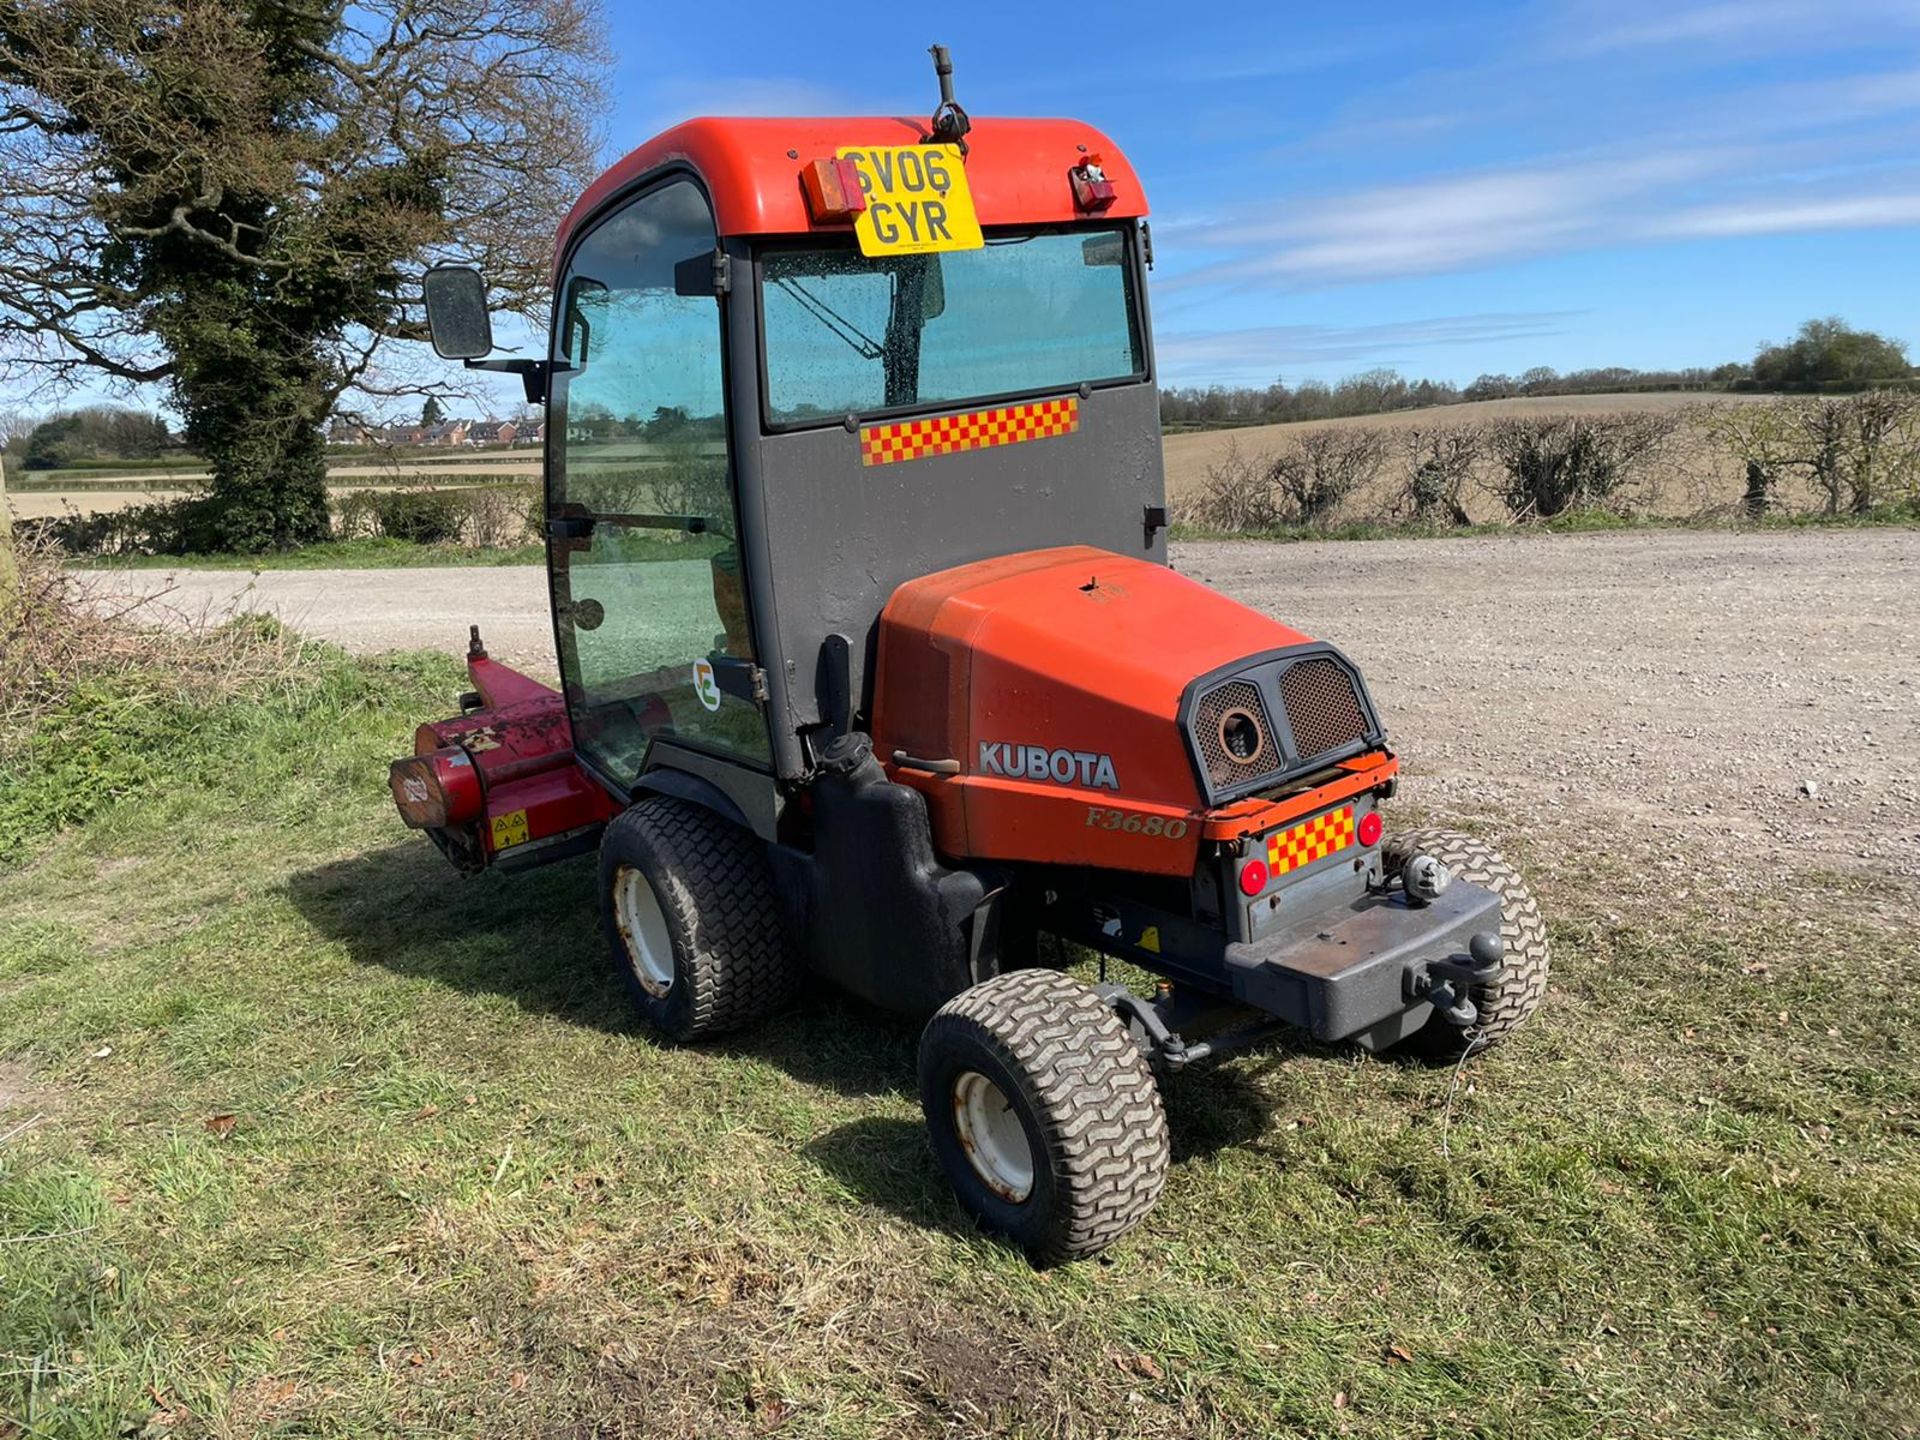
x=1260, y=350
x=1862, y=212
x=1818, y=155
x=1438, y=225
x=1726, y=27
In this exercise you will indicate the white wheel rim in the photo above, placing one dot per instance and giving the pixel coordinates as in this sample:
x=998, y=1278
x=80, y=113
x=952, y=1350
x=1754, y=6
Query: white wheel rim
x=643, y=928
x=992, y=1137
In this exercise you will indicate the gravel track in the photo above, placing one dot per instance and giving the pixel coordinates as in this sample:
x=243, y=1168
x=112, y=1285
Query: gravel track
x=1674, y=695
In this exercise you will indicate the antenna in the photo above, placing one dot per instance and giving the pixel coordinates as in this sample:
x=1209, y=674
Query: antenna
x=950, y=123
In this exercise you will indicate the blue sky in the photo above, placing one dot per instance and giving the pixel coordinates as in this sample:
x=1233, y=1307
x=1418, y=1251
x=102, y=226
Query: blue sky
x=1446, y=189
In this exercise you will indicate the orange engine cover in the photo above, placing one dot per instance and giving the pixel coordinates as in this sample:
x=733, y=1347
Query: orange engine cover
x=1053, y=678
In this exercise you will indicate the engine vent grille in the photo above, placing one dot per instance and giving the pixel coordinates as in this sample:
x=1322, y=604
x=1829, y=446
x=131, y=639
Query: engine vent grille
x=1235, y=737
x=1322, y=707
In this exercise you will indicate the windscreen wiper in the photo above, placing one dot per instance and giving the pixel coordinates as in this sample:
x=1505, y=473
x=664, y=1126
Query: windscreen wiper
x=856, y=339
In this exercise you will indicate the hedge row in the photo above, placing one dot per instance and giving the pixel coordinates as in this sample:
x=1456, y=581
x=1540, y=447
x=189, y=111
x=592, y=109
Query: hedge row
x=1853, y=454
x=476, y=517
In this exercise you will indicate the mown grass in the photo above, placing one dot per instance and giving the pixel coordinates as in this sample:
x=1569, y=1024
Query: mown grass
x=460, y=1194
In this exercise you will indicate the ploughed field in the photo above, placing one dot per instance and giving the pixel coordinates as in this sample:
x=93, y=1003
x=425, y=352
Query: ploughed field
x=332, y=1142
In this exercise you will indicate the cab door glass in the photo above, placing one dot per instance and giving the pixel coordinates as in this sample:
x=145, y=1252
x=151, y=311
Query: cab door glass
x=650, y=607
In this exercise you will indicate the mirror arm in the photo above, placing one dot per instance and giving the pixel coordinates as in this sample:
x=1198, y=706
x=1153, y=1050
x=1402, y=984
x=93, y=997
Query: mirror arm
x=533, y=375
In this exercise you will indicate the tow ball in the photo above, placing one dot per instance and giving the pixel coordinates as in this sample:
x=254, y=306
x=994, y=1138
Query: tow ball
x=1447, y=985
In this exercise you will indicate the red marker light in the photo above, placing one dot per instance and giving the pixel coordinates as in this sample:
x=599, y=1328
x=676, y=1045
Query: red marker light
x=1253, y=877
x=1370, y=828
x=833, y=189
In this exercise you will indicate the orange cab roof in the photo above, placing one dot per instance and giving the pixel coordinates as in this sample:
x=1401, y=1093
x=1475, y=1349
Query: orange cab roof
x=1016, y=169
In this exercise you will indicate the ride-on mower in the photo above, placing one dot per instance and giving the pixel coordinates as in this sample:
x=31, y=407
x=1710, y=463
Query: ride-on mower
x=873, y=669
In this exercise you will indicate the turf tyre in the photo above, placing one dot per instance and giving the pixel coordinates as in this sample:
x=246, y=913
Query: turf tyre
x=1505, y=1004
x=731, y=960
x=1086, y=1102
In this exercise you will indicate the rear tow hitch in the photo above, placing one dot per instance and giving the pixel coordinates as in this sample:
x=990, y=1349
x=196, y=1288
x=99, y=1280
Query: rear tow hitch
x=1447, y=985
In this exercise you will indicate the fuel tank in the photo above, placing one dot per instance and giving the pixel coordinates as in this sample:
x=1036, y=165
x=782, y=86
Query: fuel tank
x=1036, y=700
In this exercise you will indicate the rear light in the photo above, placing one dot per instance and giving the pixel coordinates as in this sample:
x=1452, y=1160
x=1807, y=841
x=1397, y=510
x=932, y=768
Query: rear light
x=1091, y=188
x=435, y=790
x=833, y=189
x=417, y=793
x=1370, y=828
x=1253, y=877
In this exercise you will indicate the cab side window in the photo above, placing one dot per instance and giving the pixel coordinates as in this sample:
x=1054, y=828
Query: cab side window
x=651, y=598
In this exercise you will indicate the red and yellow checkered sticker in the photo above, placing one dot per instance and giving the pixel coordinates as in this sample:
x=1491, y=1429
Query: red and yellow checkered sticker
x=1300, y=845
x=976, y=430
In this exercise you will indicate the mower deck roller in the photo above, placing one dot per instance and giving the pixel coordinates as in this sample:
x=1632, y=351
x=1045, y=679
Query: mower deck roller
x=873, y=670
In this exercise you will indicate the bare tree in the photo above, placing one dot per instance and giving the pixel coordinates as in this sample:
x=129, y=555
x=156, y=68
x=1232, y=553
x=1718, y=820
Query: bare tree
x=1327, y=466
x=1439, y=461
x=1764, y=439
x=1555, y=463
x=1236, y=497
x=15, y=426
x=236, y=199
x=1882, y=446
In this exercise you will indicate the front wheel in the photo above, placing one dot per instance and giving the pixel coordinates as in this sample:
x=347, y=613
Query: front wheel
x=1043, y=1114
x=1508, y=1001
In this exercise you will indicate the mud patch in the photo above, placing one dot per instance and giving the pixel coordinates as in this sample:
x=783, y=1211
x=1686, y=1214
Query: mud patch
x=974, y=1375
x=19, y=1096
x=702, y=1374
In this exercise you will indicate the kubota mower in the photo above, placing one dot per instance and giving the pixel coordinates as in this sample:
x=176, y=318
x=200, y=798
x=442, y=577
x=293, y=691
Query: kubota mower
x=873, y=670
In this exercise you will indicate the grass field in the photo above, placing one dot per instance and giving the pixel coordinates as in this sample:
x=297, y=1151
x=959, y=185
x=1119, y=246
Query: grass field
x=303, y=1135
x=1187, y=455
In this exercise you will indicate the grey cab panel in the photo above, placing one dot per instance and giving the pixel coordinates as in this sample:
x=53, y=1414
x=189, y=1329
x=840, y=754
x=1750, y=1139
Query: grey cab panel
x=851, y=534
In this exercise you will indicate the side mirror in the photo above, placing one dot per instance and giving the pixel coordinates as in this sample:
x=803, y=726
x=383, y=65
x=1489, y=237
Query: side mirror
x=933, y=289
x=457, y=318
x=575, y=325
x=1106, y=248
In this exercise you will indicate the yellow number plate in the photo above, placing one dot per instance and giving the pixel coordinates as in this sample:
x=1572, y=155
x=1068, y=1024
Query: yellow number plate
x=917, y=200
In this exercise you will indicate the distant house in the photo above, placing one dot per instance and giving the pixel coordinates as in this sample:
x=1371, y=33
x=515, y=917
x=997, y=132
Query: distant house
x=493, y=432
x=448, y=432
x=356, y=432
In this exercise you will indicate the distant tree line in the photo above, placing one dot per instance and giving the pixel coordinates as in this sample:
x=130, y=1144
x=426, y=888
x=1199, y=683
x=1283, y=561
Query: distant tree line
x=93, y=434
x=1826, y=354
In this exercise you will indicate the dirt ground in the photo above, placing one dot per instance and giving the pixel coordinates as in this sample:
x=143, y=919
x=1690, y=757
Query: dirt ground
x=1753, y=699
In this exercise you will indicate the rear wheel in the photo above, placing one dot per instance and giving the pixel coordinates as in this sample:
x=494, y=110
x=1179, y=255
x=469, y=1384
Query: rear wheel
x=1508, y=1001
x=1043, y=1114
x=687, y=903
